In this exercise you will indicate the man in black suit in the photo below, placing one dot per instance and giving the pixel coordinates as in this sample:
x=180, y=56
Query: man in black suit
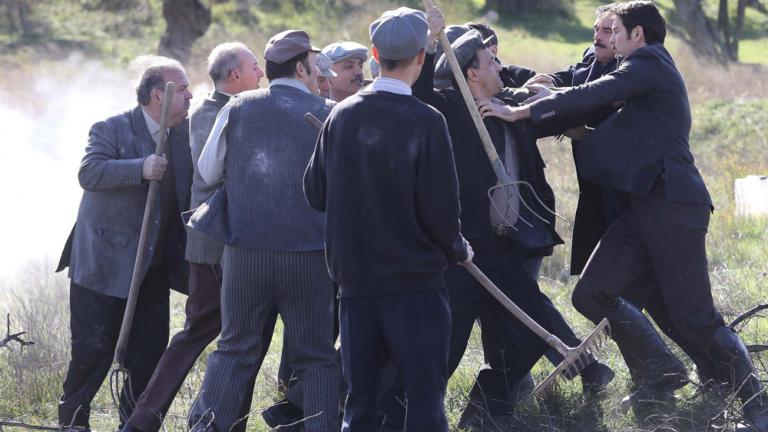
x=643, y=150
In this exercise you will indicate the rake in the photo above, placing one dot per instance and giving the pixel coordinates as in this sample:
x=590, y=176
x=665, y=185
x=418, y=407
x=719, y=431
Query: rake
x=120, y=374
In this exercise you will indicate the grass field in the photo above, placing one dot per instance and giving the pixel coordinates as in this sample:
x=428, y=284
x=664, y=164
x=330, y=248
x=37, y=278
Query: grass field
x=730, y=111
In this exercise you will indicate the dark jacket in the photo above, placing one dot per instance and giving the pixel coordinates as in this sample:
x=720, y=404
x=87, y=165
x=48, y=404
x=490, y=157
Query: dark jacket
x=262, y=205
x=201, y=248
x=647, y=137
x=515, y=76
x=473, y=167
x=383, y=172
x=598, y=205
x=101, y=249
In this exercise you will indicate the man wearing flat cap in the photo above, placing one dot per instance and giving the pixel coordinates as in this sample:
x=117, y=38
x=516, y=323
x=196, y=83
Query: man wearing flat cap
x=273, y=258
x=326, y=72
x=348, y=59
x=504, y=231
x=383, y=172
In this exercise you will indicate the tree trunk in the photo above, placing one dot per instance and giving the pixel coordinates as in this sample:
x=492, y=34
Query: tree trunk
x=186, y=21
x=701, y=34
x=524, y=7
x=18, y=12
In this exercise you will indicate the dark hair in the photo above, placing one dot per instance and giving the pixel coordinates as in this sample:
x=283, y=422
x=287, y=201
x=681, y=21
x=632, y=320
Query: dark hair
x=486, y=32
x=288, y=68
x=644, y=14
x=390, y=65
x=473, y=63
x=606, y=8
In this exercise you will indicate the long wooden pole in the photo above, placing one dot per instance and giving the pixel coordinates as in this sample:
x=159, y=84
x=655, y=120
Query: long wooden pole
x=138, y=265
x=485, y=137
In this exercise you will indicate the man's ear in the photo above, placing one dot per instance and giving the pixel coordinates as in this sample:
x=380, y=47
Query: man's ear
x=234, y=75
x=472, y=74
x=421, y=56
x=638, y=35
x=375, y=53
x=156, y=96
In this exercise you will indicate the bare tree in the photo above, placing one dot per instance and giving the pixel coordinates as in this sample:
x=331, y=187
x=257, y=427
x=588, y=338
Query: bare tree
x=18, y=14
x=717, y=39
x=186, y=21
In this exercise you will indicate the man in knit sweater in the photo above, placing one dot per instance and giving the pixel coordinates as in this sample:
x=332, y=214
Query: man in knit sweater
x=273, y=255
x=383, y=172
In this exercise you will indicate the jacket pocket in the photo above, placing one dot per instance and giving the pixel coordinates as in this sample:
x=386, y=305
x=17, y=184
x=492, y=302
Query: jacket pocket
x=113, y=238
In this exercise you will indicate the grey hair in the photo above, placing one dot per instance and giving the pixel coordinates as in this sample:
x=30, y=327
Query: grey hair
x=151, y=70
x=223, y=60
x=604, y=9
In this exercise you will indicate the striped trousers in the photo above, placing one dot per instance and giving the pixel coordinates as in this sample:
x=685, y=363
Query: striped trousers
x=256, y=286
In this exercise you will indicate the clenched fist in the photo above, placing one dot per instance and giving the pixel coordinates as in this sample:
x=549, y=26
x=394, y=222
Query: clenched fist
x=154, y=167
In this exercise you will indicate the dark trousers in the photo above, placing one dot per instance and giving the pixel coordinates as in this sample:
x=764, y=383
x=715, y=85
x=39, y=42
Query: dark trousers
x=510, y=348
x=411, y=328
x=95, y=325
x=666, y=240
x=202, y=325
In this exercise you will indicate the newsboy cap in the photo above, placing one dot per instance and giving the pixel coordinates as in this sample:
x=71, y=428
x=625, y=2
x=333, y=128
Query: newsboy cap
x=324, y=64
x=399, y=34
x=287, y=45
x=343, y=50
x=465, y=48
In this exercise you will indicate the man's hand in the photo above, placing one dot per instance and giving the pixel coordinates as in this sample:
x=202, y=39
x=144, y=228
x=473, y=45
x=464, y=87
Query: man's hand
x=470, y=252
x=504, y=112
x=539, y=92
x=154, y=167
x=436, y=23
x=578, y=133
x=542, y=79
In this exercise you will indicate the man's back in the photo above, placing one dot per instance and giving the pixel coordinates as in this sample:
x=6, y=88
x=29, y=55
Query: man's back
x=391, y=193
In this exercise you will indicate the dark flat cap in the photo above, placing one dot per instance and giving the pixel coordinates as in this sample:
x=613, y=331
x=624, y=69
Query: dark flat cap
x=400, y=34
x=287, y=45
x=465, y=47
x=343, y=50
x=452, y=32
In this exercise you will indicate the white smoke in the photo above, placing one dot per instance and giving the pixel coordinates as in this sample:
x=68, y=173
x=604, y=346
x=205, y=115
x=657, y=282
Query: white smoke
x=44, y=134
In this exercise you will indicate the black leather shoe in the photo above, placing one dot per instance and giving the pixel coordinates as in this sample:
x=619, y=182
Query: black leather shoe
x=595, y=378
x=282, y=413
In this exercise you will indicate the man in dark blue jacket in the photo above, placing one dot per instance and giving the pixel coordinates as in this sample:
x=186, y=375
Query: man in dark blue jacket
x=383, y=172
x=643, y=150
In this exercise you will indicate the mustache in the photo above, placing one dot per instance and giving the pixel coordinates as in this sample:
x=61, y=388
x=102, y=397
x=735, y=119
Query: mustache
x=599, y=44
x=358, y=79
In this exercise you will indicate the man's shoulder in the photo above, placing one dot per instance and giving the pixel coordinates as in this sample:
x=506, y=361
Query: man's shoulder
x=119, y=121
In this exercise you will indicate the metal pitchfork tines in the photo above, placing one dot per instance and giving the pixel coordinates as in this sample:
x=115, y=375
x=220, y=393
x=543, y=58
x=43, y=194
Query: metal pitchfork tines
x=575, y=358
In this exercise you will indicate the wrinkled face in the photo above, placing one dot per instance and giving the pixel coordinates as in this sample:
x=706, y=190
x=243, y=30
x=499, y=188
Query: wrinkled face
x=603, y=30
x=487, y=72
x=623, y=40
x=181, y=97
x=349, y=79
x=249, y=71
x=324, y=86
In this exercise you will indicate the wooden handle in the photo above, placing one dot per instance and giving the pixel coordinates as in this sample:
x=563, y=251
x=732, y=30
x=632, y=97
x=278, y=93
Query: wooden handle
x=312, y=120
x=138, y=264
x=520, y=314
x=490, y=150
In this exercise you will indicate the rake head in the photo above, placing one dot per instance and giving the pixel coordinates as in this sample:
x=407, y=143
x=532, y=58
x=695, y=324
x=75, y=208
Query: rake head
x=576, y=358
x=122, y=391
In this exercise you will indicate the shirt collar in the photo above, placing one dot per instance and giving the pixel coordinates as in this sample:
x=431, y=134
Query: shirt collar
x=290, y=82
x=152, y=126
x=391, y=85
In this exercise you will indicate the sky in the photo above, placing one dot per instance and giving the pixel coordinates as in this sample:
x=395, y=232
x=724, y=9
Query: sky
x=45, y=128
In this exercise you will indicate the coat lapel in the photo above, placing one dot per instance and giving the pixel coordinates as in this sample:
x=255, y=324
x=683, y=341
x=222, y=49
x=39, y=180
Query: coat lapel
x=145, y=146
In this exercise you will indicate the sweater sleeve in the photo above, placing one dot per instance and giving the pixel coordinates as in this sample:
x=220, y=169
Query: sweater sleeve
x=437, y=193
x=314, y=176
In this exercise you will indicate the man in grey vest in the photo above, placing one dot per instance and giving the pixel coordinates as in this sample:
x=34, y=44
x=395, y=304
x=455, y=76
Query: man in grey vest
x=115, y=172
x=233, y=69
x=273, y=256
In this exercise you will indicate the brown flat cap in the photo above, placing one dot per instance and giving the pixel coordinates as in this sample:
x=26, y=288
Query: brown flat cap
x=287, y=45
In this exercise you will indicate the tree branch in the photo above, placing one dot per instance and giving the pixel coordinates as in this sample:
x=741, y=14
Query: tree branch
x=23, y=425
x=15, y=337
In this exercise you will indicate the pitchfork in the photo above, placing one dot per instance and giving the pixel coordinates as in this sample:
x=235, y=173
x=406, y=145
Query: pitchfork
x=120, y=374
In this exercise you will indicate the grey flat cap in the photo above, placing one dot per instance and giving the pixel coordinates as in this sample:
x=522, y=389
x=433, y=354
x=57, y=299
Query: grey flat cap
x=324, y=64
x=343, y=50
x=287, y=45
x=399, y=34
x=465, y=47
